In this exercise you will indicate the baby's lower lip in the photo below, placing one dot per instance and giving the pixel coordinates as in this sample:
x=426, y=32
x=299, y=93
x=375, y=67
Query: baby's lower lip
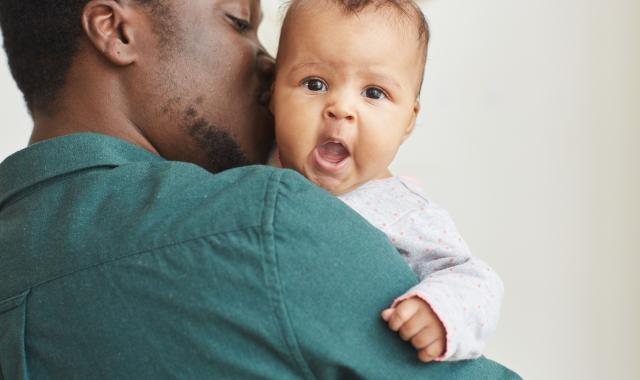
x=328, y=165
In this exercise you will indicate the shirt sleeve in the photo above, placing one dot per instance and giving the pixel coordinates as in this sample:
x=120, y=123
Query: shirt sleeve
x=463, y=291
x=333, y=275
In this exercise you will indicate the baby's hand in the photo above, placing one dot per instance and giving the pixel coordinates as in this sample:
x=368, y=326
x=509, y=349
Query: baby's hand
x=414, y=320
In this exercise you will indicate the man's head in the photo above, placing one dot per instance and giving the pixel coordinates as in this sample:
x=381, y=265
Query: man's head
x=41, y=39
x=348, y=78
x=190, y=77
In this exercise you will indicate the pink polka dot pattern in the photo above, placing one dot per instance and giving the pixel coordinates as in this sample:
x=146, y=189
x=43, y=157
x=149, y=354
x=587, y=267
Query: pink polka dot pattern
x=464, y=292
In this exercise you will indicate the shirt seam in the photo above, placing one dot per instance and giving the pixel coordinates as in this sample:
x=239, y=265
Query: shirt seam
x=273, y=279
x=23, y=192
x=139, y=253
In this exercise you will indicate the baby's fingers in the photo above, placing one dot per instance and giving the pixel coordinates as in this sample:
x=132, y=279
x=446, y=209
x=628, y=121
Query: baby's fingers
x=432, y=352
x=402, y=313
x=413, y=326
x=386, y=314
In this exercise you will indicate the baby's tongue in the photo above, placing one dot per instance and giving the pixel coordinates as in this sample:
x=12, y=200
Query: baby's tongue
x=333, y=152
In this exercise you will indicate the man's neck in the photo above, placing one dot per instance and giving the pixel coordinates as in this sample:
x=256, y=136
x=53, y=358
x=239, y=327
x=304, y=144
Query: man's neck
x=89, y=107
x=67, y=123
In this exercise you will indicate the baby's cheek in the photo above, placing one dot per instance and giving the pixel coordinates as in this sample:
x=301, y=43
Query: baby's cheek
x=286, y=151
x=290, y=148
x=376, y=153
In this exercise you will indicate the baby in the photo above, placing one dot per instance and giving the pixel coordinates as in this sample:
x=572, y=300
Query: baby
x=345, y=98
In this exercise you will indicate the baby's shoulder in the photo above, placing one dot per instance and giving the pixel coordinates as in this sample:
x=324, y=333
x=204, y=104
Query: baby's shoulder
x=414, y=187
x=393, y=189
x=388, y=199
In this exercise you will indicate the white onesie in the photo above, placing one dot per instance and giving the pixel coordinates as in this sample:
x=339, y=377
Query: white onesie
x=463, y=291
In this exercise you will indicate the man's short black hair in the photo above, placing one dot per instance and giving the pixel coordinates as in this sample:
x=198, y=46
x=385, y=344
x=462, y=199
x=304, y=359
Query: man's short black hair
x=41, y=39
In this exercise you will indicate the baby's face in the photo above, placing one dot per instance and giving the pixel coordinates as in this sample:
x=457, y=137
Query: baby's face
x=345, y=95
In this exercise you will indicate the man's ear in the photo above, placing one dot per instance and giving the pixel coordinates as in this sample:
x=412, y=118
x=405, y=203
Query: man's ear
x=107, y=24
x=412, y=122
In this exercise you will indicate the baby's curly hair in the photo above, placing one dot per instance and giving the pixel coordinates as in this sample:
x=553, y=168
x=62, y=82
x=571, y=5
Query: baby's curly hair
x=408, y=8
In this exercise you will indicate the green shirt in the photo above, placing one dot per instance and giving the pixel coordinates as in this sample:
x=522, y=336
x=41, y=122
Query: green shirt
x=115, y=263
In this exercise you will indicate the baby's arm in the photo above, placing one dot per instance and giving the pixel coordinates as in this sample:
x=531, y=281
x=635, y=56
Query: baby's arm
x=462, y=291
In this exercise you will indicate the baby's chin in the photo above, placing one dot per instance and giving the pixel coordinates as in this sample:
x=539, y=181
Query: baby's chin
x=341, y=187
x=335, y=186
x=342, y=183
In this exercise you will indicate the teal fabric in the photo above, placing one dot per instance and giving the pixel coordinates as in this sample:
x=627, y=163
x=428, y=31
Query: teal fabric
x=116, y=263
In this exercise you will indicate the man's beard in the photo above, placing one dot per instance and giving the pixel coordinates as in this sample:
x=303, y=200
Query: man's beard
x=223, y=151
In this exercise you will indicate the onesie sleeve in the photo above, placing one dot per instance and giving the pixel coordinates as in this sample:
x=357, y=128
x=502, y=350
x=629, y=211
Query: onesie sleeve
x=463, y=291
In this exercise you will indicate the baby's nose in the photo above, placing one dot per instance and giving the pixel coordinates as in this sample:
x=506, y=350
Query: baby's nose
x=337, y=112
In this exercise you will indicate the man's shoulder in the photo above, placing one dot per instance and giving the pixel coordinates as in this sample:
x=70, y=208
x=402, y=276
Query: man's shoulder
x=201, y=202
x=208, y=203
x=105, y=214
x=171, y=202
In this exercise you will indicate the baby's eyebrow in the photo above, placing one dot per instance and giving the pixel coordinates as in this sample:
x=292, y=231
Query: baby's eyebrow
x=383, y=78
x=304, y=65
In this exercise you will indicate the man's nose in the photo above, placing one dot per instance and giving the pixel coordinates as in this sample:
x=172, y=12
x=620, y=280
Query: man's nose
x=266, y=65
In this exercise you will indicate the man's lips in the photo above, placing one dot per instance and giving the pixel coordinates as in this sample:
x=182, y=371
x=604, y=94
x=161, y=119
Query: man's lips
x=331, y=156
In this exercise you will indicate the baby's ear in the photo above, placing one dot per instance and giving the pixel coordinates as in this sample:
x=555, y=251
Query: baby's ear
x=412, y=122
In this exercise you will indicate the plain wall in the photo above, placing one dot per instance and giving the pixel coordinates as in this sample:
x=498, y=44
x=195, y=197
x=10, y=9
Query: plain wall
x=528, y=135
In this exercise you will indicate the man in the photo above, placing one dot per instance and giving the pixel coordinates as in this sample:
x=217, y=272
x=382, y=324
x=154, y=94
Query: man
x=122, y=259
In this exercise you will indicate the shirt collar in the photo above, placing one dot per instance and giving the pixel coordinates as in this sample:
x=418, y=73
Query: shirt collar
x=62, y=155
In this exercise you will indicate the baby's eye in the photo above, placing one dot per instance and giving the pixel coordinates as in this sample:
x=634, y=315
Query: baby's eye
x=374, y=93
x=315, y=85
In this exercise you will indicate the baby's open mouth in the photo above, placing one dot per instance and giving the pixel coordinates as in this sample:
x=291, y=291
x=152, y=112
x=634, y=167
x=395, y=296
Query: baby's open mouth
x=333, y=152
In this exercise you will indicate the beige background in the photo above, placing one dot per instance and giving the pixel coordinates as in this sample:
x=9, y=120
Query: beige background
x=528, y=135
